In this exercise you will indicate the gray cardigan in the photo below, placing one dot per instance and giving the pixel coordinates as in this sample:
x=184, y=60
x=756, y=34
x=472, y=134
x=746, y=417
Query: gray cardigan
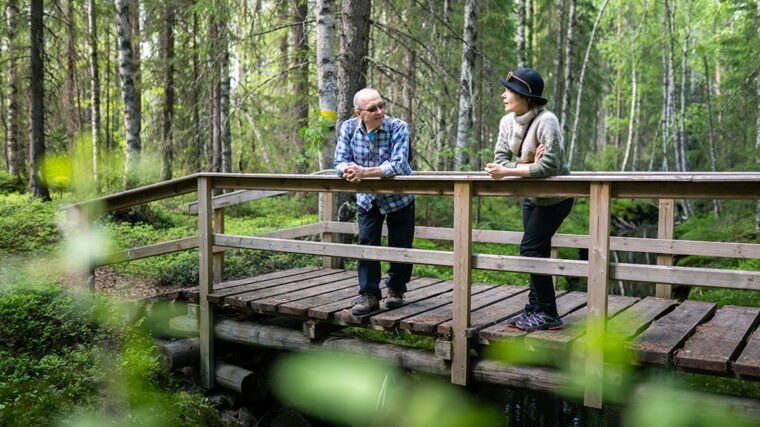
x=544, y=130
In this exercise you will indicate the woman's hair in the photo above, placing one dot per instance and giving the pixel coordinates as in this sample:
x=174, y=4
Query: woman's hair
x=535, y=103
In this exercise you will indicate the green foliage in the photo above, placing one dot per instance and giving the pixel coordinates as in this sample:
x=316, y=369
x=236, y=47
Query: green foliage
x=8, y=184
x=27, y=225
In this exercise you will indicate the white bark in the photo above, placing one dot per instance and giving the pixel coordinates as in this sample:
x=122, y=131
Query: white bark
x=583, y=75
x=464, y=123
x=629, y=140
x=568, y=77
x=128, y=92
x=327, y=83
x=556, y=92
x=92, y=35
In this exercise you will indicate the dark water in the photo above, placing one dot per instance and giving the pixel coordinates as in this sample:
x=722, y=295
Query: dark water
x=525, y=408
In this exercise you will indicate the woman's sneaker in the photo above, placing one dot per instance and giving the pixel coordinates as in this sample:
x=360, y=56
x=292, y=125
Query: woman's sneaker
x=513, y=320
x=538, y=322
x=365, y=304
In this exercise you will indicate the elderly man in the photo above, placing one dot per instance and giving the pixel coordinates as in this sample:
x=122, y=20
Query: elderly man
x=372, y=145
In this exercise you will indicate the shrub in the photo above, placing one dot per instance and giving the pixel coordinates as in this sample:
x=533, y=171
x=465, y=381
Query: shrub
x=27, y=225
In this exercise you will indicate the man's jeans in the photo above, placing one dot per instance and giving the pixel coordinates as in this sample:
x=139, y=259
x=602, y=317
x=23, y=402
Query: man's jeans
x=540, y=223
x=400, y=235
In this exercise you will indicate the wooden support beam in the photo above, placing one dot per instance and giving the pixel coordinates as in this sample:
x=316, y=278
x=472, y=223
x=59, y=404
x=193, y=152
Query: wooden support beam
x=206, y=281
x=218, y=256
x=665, y=230
x=327, y=213
x=462, y=281
x=598, y=277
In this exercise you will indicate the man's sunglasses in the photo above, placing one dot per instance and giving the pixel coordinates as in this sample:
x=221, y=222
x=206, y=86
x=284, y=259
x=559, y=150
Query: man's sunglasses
x=372, y=109
x=511, y=77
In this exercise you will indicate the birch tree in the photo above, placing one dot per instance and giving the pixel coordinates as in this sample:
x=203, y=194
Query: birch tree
x=757, y=127
x=128, y=92
x=37, y=144
x=326, y=77
x=441, y=112
x=11, y=75
x=558, y=59
x=92, y=43
x=568, y=77
x=464, y=123
x=300, y=80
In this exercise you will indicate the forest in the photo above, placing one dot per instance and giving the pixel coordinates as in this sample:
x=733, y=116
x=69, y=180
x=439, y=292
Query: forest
x=147, y=90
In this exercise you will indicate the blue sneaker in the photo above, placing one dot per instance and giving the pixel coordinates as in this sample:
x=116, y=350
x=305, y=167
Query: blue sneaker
x=538, y=322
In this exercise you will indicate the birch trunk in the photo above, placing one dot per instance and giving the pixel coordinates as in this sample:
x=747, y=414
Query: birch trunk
x=37, y=144
x=521, y=26
x=71, y=103
x=568, y=77
x=11, y=119
x=442, y=124
x=300, y=81
x=671, y=123
x=665, y=106
x=556, y=91
x=136, y=56
x=168, y=110
x=757, y=127
x=92, y=41
x=710, y=135
x=326, y=75
x=464, y=124
x=629, y=140
x=583, y=75
x=128, y=93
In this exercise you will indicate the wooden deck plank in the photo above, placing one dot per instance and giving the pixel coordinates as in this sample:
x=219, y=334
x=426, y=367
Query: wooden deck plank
x=218, y=296
x=747, y=366
x=423, y=302
x=327, y=311
x=575, y=325
x=566, y=303
x=192, y=293
x=632, y=321
x=657, y=343
x=272, y=304
x=244, y=300
x=718, y=341
x=428, y=321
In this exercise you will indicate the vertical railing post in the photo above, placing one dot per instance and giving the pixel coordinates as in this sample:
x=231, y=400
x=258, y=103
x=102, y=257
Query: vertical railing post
x=206, y=280
x=665, y=230
x=218, y=257
x=554, y=254
x=462, y=275
x=598, y=278
x=327, y=213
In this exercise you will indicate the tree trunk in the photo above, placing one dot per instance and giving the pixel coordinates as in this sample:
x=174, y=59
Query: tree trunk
x=671, y=95
x=568, y=77
x=710, y=139
x=464, y=124
x=12, y=114
x=757, y=127
x=583, y=75
x=37, y=144
x=136, y=56
x=556, y=91
x=326, y=77
x=225, y=132
x=441, y=122
x=128, y=93
x=196, y=148
x=629, y=140
x=71, y=103
x=521, y=26
x=168, y=111
x=92, y=41
x=300, y=81
x=529, y=34
x=665, y=107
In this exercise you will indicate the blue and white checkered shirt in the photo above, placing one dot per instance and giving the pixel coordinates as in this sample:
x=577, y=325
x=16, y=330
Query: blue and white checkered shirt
x=389, y=149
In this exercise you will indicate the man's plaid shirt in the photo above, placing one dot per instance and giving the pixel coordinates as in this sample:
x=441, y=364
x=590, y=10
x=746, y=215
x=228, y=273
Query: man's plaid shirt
x=389, y=150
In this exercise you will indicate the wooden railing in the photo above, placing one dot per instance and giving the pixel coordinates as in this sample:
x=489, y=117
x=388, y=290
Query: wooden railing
x=600, y=188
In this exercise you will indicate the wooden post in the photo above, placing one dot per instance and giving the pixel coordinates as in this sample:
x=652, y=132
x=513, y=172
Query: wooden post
x=554, y=254
x=206, y=281
x=218, y=257
x=598, y=278
x=327, y=213
x=665, y=230
x=462, y=276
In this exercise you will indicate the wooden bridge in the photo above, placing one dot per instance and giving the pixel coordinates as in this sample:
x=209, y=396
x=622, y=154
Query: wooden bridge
x=686, y=335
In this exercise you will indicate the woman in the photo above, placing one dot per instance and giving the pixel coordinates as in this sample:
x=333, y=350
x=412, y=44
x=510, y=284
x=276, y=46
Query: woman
x=532, y=135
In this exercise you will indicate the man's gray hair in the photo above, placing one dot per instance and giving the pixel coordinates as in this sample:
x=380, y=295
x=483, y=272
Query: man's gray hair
x=364, y=93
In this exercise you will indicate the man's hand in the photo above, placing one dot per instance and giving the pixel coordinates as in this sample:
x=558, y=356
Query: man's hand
x=539, y=153
x=496, y=171
x=353, y=173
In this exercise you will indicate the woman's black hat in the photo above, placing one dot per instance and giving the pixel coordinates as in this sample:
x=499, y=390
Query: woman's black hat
x=526, y=82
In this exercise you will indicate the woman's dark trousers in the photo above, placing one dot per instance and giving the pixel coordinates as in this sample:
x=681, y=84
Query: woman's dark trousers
x=540, y=224
x=400, y=235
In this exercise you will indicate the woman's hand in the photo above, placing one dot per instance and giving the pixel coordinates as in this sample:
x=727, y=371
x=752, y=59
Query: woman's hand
x=496, y=171
x=539, y=153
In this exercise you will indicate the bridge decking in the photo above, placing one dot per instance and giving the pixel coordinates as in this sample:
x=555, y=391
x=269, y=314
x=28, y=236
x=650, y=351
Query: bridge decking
x=690, y=335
